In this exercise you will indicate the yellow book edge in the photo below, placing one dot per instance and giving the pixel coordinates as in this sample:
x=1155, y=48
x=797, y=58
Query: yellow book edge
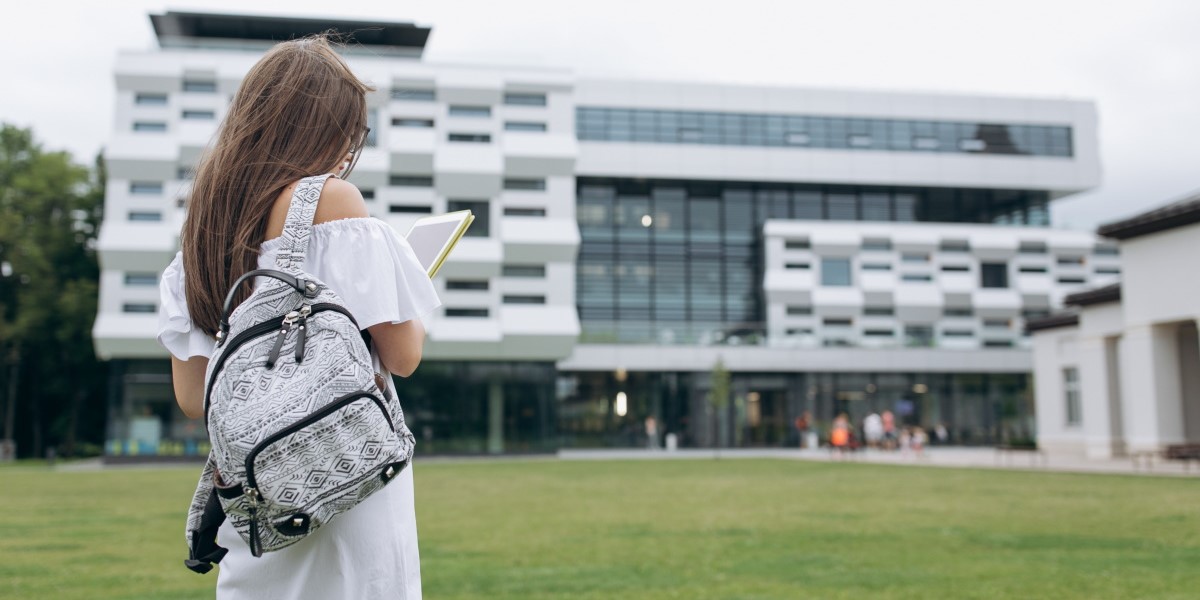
x=458, y=233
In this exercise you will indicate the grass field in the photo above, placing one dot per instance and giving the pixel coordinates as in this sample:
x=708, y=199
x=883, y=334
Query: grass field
x=663, y=529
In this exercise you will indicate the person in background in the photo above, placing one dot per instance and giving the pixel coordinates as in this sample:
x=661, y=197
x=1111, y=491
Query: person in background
x=941, y=434
x=889, y=430
x=839, y=435
x=918, y=440
x=873, y=429
x=803, y=425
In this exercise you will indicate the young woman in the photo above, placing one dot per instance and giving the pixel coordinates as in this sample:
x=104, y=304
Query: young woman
x=299, y=112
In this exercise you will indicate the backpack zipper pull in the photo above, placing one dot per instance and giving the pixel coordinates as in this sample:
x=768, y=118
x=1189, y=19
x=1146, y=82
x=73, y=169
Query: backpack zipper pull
x=255, y=542
x=273, y=355
x=304, y=312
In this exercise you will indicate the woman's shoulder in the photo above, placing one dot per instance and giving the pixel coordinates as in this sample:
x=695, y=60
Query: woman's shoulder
x=339, y=200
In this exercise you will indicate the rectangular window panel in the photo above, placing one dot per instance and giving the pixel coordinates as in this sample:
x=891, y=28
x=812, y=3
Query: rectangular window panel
x=799, y=266
x=470, y=111
x=1071, y=396
x=473, y=138
x=1032, y=248
x=141, y=279
x=842, y=207
x=1030, y=269
x=956, y=268
x=513, y=211
x=530, y=271
x=912, y=257
x=479, y=285
x=954, y=246
x=145, y=215
x=412, y=123
x=959, y=333
x=835, y=272
x=516, y=184
x=368, y=193
x=879, y=311
x=876, y=267
x=199, y=115
x=993, y=275
x=149, y=126
x=523, y=299
x=150, y=99
x=837, y=322
x=146, y=188
x=202, y=87
x=916, y=277
x=408, y=208
x=411, y=180
x=797, y=244
x=799, y=310
x=957, y=312
x=879, y=333
x=467, y=312
x=1106, y=251
x=807, y=204
x=413, y=95
x=531, y=126
x=524, y=99
x=478, y=208
x=138, y=307
x=876, y=244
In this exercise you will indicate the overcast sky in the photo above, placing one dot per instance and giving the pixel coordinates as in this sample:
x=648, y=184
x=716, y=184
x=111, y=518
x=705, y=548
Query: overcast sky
x=1138, y=60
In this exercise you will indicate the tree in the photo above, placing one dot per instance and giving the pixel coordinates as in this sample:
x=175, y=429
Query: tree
x=50, y=210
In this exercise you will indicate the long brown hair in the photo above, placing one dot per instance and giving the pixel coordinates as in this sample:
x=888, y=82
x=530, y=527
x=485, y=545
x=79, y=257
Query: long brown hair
x=298, y=112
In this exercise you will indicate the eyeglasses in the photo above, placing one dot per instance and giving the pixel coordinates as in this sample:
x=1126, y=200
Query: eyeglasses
x=362, y=142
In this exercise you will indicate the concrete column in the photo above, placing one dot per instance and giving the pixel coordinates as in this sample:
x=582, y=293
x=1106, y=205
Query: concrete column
x=1094, y=398
x=495, y=443
x=1151, y=399
x=1189, y=360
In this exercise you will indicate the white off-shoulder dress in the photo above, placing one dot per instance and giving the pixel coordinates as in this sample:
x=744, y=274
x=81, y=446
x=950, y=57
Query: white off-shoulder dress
x=370, y=551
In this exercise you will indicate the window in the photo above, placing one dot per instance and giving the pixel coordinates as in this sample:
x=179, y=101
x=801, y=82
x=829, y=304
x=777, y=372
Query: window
x=1030, y=269
x=466, y=312
x=534, y=185
x=951, y=311
x=1033, y=314
x=531, y=271
x=876, y=267
x=1108, y=271
x=954, y=246
x=796, y=138
x=150, y=99
x=797, y=244
x=802, y=266
x=799, y=310
x=918, y=336
x=146, y=188
x=460, y=284
x=201, y=87
x=958, y=333
x=413, y=123
x=925, y=143
x=837, y=322
x=876, y=244
x=997, y=343
x=149, y=126
x=1032, y=248
x=413, y=95
x=199, y=115
x=368, y=193
x=145, y=215
x=914, y=258
x=860, y=141
x=916, y=277
x=1071, y=396
x=956, y=268
x=513, y=211
x=520, y=299
x=470, y=111
x=1070, y=261
x=478, y=208
x=407, y=208
x=993, y=275
x=1106, y=251
x=140, y=279
x=411, y=180
x=524, y=99
x=1071, y=280
x=997, y=323
x=474, y=138
x=184, y=173
x=835, y=272
x=972, y=145
x=798, y=331
x=879, y=333
x=878, y=311
x=524, y=126
x=139, y=307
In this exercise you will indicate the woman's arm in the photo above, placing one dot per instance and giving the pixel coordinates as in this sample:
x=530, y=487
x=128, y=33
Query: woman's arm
x=188, y=378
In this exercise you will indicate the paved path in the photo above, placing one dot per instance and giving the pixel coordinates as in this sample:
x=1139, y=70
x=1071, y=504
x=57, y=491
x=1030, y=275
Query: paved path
x=960, y=457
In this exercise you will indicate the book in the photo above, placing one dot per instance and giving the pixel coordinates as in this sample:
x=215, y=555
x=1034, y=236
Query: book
x=433, y=238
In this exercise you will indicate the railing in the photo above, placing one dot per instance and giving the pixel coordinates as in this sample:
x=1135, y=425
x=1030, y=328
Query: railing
x=755, y=334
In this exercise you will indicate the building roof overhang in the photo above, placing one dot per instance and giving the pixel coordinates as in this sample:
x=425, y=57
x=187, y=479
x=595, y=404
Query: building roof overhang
x=1176, y=214
x=1101, y=295
x=191, y=29
x=1055, y=321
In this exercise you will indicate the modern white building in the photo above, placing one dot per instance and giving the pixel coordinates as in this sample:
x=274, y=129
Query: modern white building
x=837, y=250
x=1119, y=372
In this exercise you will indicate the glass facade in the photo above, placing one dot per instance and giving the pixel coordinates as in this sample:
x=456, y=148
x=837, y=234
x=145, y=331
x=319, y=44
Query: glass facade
x=605, y=124
x=681, y=261
x=763, y=407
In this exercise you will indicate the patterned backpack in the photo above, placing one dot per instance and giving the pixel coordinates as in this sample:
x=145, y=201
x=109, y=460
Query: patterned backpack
x=301, y=425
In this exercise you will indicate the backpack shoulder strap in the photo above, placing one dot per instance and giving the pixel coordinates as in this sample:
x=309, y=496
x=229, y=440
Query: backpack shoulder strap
x=298, y=225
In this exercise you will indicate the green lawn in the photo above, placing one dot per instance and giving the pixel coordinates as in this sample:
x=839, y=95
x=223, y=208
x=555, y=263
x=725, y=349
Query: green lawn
x=664, y=529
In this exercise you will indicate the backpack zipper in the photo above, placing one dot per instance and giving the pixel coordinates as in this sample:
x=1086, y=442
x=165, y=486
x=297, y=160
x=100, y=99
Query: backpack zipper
x=254, y=332
x=251, y=486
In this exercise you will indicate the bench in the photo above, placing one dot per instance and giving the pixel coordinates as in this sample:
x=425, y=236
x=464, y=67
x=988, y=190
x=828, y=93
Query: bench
x=1184, y=452
x=1036, y=455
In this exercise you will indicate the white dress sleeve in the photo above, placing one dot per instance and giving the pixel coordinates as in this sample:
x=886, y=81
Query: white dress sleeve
x=373, y=269
x=175, y=331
